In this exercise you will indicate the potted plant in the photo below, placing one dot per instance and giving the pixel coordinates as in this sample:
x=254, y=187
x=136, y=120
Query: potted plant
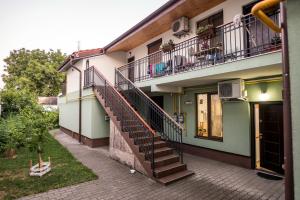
x=276, y=42
x=167, y=47
x=206, y=31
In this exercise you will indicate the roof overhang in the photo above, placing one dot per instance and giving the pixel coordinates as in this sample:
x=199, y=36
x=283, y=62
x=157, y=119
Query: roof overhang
x=159, y=22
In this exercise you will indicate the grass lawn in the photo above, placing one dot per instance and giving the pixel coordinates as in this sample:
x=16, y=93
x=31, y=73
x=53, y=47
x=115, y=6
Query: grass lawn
x=66, y=170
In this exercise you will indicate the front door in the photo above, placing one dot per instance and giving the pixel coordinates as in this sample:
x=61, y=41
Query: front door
x=271, y=137
x=131, y=69
x=156, y=118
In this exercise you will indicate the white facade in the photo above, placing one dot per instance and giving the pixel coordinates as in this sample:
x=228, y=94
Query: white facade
x=105, y=64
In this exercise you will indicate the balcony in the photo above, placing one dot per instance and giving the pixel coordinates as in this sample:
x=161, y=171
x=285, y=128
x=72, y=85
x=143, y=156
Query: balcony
x=244, y=38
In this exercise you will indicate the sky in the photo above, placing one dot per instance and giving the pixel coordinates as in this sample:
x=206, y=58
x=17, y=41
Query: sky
x=60, y=24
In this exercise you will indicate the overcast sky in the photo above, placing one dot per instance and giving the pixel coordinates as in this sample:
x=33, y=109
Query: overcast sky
x=59, y=24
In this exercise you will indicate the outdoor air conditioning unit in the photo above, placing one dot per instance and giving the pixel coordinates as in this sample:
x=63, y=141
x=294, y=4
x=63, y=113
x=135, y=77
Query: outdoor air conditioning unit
x=232, y=90
x=180, y=26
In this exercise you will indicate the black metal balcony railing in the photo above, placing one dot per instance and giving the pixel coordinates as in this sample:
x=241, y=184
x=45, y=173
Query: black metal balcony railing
x=230, y=42
x=169, y=130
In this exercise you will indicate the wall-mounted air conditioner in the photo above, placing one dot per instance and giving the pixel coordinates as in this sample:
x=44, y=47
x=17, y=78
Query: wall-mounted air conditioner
x=233, y=89
x=180, y=26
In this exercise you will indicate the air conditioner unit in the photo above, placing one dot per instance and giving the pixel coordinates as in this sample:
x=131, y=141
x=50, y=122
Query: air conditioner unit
x=233, y=89
x=180, y=26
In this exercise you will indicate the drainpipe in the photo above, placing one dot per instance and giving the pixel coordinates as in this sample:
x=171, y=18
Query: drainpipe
x=80, y=96
x=257, y=10
x=287, y=123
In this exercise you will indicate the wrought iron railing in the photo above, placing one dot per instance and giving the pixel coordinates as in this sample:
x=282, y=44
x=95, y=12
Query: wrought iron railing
x=246, y=37
x=156, y=117
x=130, y=121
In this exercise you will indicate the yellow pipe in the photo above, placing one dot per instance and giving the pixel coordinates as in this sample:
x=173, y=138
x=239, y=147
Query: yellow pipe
x=258, y=11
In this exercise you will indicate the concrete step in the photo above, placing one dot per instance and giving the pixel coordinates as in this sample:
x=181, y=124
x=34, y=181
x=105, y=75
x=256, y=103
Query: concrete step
x=162, y=152
x=169, y=169
x=157, y=145
x=144, y=140
x=175, y=177
x=165, y=160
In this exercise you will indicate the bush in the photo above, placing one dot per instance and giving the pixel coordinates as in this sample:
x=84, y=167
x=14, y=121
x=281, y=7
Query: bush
x=14, y=101
x=12, y=133
x=52, y=118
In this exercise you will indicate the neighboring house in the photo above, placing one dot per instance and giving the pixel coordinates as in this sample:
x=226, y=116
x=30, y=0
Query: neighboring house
x=217, y=92
x=48, y=103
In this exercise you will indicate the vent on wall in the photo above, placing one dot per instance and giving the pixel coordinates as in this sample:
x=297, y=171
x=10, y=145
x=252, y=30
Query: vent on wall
x=233, y=89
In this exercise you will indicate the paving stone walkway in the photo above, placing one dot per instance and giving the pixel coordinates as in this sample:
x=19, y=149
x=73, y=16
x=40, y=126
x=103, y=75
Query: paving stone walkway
x=212, y=180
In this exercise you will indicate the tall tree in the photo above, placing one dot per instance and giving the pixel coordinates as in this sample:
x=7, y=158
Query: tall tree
x=34, y=70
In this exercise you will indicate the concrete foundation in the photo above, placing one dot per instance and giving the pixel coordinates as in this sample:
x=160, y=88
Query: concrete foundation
x=120, y=150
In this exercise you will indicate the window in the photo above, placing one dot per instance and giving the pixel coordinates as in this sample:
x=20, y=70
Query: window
x=209, y=116
x=216, y=20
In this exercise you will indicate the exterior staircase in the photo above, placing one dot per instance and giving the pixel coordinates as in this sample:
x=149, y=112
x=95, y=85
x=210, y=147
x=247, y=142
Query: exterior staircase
x=159, y=154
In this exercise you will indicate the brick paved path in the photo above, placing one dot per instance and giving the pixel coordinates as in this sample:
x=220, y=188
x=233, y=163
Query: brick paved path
x=213, y=180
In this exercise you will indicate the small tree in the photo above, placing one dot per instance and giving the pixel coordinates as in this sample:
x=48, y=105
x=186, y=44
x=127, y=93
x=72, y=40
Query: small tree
x=12, y=135
x=37, y=128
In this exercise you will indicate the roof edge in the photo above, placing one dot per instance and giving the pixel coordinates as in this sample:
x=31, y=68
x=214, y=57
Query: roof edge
x=142, y=23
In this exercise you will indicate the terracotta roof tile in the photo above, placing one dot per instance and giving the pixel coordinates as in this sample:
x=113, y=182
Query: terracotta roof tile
x=87, y=52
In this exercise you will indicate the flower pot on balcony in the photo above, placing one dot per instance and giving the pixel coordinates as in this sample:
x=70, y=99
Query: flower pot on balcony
x=167, y=47
x=206, y=32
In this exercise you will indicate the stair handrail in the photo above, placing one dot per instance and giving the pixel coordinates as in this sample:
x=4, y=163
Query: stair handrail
x=153, y=102
x=126, y=102
x=173, y=132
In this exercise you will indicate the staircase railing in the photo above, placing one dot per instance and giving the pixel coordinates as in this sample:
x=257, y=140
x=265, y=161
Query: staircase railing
x=129, y=119
x=155, y=116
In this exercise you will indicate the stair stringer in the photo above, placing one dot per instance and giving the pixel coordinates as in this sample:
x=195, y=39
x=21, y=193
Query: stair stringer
x=146, y=165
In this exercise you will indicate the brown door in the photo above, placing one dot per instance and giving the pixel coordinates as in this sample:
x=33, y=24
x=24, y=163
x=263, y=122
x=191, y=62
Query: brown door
x=152, y=48
x=156, y=117
x=271, y=136
x=131, y=69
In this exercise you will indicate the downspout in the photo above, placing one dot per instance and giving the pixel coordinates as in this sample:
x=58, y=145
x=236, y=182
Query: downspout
x=287, y=122
x=80, y=96
x=257, y=10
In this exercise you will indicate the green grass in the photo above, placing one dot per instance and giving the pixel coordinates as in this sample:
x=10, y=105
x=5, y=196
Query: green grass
x=66, y=170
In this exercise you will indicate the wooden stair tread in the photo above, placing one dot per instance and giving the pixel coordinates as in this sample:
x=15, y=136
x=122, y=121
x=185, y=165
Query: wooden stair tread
x=175, y=177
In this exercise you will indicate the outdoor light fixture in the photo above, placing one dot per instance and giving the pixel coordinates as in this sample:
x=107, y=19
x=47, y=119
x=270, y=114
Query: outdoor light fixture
x=263, y=96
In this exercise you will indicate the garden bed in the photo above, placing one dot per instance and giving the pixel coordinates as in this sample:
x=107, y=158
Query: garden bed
x=66, y=170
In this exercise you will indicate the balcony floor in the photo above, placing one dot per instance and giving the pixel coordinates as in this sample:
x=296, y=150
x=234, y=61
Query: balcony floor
x=258, y=66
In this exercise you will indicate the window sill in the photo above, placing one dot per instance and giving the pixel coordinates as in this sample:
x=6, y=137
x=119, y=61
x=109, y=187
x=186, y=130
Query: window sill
x=209, y=138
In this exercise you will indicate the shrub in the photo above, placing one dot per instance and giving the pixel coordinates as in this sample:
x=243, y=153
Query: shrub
x=52, y=118
x=13, y=134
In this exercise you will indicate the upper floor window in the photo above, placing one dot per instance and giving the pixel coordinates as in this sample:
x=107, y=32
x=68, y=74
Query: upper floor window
x=215, y=20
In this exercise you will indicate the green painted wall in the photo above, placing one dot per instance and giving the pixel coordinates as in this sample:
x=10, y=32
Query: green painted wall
x=236, y=136
x=273, y=89
x=293, y=7
x=93, y=121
